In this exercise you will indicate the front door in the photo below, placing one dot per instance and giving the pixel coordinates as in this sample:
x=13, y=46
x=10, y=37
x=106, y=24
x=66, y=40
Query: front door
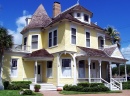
x=93, y=70
x=39, y=71
x=81, y=71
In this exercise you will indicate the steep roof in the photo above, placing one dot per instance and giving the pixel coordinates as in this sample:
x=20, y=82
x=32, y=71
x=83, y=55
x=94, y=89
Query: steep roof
x=39, y=53
x=39, y=19
x=109, y=50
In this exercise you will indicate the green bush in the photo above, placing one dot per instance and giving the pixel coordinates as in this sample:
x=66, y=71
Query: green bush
x=84, y=84
x=28, y=92
x=13, y=87
x=37, y=86
x=128, y=82
x=6, y=84
x=126, y=85
x=93, y=87
x=22, y=84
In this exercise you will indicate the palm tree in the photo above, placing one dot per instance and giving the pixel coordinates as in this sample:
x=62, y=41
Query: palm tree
x=115, y=36
x=6, y=42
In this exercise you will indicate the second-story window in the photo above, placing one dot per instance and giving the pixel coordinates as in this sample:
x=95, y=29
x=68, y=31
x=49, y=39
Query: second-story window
x=53, y=38
x=73, y=36
x=25, y=43
x=87, y=39
x=34, y=41
x=86, y=18
x=78, y=14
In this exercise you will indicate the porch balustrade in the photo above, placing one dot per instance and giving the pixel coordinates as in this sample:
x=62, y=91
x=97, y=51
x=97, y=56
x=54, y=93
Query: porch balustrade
x=120, y=79
x=20, y=48
x=93, y=80
x=29, y=79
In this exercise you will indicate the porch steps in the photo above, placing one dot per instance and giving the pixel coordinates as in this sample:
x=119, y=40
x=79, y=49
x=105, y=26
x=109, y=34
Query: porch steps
x=44, y=86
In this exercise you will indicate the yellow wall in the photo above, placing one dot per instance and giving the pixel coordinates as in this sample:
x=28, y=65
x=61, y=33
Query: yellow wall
x=7, y=66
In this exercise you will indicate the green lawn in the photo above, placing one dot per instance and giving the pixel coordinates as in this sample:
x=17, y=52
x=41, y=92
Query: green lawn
x=15, y=93
x=75, y=92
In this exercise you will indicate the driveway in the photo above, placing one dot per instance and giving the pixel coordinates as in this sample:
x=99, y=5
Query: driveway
x=55, y=93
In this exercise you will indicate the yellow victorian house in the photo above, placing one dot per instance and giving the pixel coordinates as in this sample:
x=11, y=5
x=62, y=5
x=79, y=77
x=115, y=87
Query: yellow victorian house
x=65, y=49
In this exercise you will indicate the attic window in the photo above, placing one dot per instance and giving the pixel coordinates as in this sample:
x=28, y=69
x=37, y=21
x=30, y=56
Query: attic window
x=78, y=14
x=86, y=17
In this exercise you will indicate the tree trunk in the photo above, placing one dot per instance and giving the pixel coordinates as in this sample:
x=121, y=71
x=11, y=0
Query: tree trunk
x=1, y=64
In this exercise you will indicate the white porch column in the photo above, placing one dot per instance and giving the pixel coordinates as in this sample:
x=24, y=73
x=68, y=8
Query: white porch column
x=110, y=70
x=74, y=66
x=100, y=70
x=89, y=74
x=119, y=70
x=104, y=41
x=58, y=66
x=125, y=73
x=35, y=71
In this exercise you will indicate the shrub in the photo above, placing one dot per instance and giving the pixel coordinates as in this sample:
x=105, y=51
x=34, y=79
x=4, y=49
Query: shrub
x=84, y=84
x=28, y=92
x=6, y=84
x=37, y=86
x=13, y=87
x=96, y=84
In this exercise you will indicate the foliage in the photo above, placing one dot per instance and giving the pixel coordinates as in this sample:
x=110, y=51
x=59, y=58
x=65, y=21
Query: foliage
x=115, y=36
x=15, y=93
x=6, y=84
x=115, y=70
x=28, y=92
x=126, y=85
x=13, y=87
x=37, y=86
x=86, y=87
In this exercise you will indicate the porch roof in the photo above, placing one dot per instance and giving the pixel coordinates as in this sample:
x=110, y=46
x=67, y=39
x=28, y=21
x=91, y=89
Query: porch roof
x=42, y=53
x=101, y=53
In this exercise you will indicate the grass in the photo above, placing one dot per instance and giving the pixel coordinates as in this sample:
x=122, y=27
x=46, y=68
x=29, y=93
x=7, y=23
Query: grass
x=75, y=92
x=15, y=93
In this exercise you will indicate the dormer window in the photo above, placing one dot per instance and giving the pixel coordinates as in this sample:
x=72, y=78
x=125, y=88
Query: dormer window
x=86, y=17
x=78, y=14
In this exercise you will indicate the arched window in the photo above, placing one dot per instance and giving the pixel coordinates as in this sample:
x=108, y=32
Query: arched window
x=100, y=42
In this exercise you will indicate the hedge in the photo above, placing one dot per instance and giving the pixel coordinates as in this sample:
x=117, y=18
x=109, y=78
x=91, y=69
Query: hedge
x=86, y=87
x=126, y=85
x=17, y=85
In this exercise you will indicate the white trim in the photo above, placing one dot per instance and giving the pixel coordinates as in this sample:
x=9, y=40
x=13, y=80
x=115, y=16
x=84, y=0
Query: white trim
x=73, y=26
x=52, y=31
x=87, y=31
x=40, y=71
x=58, y=66
x=17, y=68
x=70, y=66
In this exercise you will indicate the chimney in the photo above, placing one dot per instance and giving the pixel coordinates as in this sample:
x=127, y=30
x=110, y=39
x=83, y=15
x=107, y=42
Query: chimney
x=56, y=9
x=28, y=20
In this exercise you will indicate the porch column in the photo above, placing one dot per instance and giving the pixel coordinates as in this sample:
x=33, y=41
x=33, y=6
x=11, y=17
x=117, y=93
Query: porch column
x=125, y=73
x=110, y=70
x=74, y=65
x=58, y=66
x=35, y=71
x=100, y=75
x=119, y=70
x=89, y=74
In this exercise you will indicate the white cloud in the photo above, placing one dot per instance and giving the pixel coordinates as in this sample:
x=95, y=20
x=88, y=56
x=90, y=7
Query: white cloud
x=20, y=22
x=126, y=53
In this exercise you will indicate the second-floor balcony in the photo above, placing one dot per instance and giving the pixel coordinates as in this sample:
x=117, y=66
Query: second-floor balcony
x=20, y=48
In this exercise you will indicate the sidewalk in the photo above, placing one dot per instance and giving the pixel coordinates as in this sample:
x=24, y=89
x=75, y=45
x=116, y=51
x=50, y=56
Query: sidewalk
x=55, y=93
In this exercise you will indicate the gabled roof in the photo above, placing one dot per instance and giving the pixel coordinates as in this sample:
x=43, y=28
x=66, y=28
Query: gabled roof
x=109, y=50
x=39, y=53
x=39, y=19
x=93, y=52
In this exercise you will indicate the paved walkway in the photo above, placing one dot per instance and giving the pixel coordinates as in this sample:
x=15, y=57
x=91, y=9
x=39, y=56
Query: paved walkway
x=55, y=93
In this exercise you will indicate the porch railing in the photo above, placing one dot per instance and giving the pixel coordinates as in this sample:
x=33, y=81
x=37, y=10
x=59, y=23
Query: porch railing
x=92, y=80
x=116, y=84
x=29, y=79
x=120, y=79
x=20, y=48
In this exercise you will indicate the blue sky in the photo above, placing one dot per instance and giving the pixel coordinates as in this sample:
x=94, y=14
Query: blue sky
x=105, y=12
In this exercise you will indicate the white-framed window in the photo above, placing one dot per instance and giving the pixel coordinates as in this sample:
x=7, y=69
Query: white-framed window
x=73, y=35
x=14, y=69
x=86, y=18
x=53, y=38
x=66, y=67
x=25, y=42
x=34, y=41
x=78, y=14
x=87, y=39
x=49, y=69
